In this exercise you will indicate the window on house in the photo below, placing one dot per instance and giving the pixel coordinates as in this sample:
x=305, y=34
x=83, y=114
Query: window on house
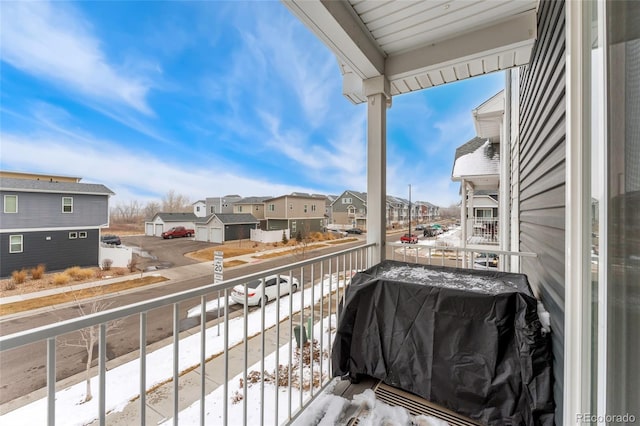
x=257, y=208
x=272, y=207
x=239, y=209
x=313, y=207
x=67, y=204
x=212, y=209
x=11, y=204
x=347, y=200
x=293, y=226
x=82, y=234
x=198, y=208
x=305, y=208
x=73, y=235
x=290, y=206
x=15, y=244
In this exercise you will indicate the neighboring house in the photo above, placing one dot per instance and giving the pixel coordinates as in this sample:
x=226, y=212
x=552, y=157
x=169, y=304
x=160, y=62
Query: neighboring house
x=221, y=204
x=427, y=212
x=254, y=206
x=350, y=209
x=200, y=208
x=221, y=227
x=53, y=220
x=328, y=208
x=164, y=221
x=397, y=211
x=295, y=212
x=477, y=167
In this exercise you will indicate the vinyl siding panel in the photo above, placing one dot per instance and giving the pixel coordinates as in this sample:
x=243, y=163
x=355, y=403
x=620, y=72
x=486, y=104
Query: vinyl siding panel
x=44, y=210
x=58, y=252
x=542, y=175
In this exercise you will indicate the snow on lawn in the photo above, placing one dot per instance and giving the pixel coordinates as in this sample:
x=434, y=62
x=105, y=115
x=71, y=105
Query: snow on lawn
x=214, y=402
x=119, y=384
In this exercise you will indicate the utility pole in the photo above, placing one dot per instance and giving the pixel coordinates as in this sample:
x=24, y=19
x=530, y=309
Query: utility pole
x=409, y=210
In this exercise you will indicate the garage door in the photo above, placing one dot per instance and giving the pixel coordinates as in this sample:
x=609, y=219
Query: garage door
x=217, y=235
x=201, y=233
x=159, y=229
x=148, y=229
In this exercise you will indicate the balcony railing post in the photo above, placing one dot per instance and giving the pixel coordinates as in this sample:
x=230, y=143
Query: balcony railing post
x=51, y=381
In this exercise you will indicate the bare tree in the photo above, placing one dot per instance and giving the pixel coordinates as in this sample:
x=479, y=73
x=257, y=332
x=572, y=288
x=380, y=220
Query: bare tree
x=173, y=202
x=151, y=209
x=88, y=337
x=127, y=213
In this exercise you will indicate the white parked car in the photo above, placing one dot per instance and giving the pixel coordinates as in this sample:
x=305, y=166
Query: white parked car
x=257, y=294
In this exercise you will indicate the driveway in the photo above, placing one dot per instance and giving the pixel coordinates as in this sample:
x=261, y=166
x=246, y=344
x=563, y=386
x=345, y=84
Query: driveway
x=158, y=253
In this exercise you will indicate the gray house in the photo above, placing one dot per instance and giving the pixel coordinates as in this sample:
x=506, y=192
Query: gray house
x=350, y=208
x=50, y=220
x=221, y=227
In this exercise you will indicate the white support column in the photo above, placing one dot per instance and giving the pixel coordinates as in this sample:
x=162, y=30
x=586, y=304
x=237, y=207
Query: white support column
x=377, y=92
x=505, y=175
x=463, y=220
x=577, y=309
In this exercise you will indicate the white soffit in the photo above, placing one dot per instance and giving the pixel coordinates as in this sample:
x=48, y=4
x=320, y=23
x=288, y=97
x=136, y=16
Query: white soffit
x=420, y=44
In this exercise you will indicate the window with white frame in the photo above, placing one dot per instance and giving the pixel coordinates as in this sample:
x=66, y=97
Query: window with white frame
x=346, y=200
x=305, y=208
x=67, y=204
x=15, y=243
x=73, y=235
x=272, y=207
x=82, y=234
x=11, y=204
x=239, y=209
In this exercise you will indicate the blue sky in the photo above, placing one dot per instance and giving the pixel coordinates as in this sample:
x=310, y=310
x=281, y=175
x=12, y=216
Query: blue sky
x=207, y=99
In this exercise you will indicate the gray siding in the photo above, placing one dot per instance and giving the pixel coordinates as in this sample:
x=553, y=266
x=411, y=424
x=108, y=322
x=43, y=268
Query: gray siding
x=58, y=252
x=44, y=210
x=542, y=174
x=238, y=232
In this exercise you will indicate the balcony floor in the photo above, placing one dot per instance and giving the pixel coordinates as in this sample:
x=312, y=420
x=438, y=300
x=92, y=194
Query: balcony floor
x=415, y=405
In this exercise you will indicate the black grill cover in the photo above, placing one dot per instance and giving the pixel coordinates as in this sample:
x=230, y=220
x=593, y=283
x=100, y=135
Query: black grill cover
x=468, y=340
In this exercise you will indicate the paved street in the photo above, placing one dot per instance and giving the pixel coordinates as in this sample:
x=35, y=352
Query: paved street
x=23, y=369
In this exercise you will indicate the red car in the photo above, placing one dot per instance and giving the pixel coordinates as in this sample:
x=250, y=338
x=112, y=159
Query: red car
x=409, y=238
x=177, y=232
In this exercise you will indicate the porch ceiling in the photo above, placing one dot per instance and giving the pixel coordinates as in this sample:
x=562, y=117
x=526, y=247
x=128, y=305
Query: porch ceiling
x=420, y=44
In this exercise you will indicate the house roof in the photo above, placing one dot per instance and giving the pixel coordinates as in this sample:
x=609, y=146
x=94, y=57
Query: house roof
x=199, y=201
x=297, y=195
x=177, y=217
x=32, y=185
x=478, y=157
x=252, y=200
x=419, y=44
x=230, y=218
x=360, y=195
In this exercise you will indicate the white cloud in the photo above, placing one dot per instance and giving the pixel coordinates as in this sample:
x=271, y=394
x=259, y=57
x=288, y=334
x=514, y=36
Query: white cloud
x=132, y=175
x=53, y=42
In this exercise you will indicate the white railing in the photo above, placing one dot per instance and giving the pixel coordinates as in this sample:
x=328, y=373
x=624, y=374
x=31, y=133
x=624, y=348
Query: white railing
x=484, y=230
x=458, y=257
x=314, y=307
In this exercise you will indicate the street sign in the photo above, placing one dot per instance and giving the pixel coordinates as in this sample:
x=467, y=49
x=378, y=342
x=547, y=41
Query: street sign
x=218, y=266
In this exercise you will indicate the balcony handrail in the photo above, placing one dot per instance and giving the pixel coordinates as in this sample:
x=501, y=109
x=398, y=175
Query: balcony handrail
x=465, y=249
x=41, y=333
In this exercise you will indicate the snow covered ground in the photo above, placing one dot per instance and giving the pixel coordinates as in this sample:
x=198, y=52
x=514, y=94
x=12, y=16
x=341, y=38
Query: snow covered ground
x=121, y=388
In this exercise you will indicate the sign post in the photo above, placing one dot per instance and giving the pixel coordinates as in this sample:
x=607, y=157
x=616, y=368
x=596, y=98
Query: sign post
x=218, y=271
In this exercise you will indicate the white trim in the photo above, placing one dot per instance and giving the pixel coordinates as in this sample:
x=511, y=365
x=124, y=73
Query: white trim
x=5, y=203
x=603, y=237
x=577, y=351
x=21, y=244
x=57, y=191
x=63, y=204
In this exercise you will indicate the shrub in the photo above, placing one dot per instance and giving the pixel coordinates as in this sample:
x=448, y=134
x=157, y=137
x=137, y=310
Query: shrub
x=298, y=237
x=10, y=285
x=37, y=272
x=19, y=277
x=106, y=264
x=132, y=266
x=84, y=274
x=61, y=278
x=285, y=240
x=119, y=271
x=97, y=273
x=73, y=272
